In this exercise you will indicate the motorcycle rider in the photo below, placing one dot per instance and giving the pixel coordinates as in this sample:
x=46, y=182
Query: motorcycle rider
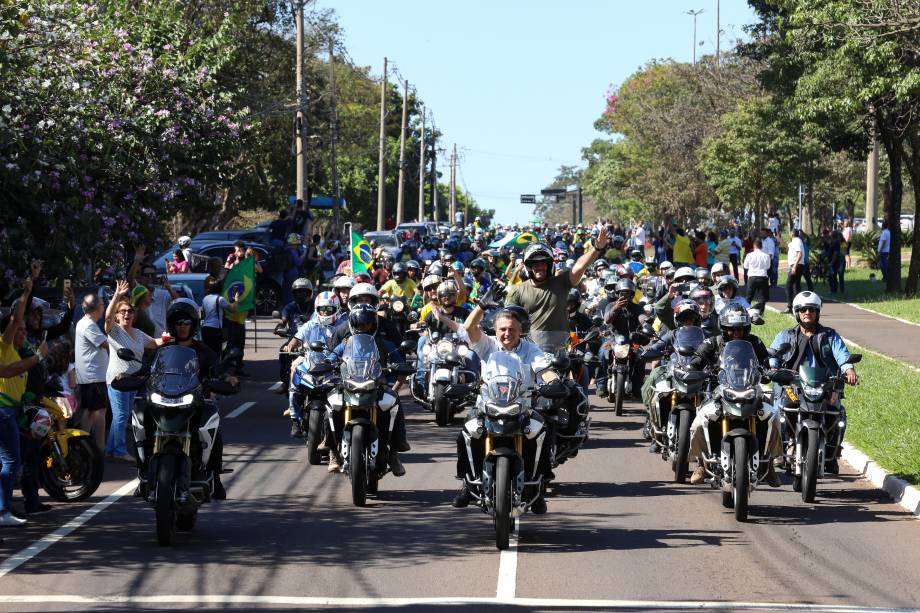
x=326, y=309
x=814, y=345
x=300, y=308
x=481, y=279
x=623, y=315
x=678, y=289
x=342, y=287
x=400, y=284
x=735, y=324
x=686, y=313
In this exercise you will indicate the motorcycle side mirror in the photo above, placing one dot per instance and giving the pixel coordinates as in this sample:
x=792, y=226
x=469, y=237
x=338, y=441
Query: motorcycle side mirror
x=127, y=355
x=321, y=368
x=402, y=369
x=224, y=388
x=783, y=376
x=561, y=362
x=554, y=390
x=855, y=358
x=127, y=383
x=407, y=346
x=280, y=331
x=276, y=314
x=685, y=350
x=318, y=346
x=412, y=317
x=457, y=391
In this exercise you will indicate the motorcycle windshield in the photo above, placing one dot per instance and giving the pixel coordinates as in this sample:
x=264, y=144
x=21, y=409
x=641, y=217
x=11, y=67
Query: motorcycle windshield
x=360, y=360
x=739, y=368
x=319, y=333
x=813, y=376
x=686, y=336
x=504, y=376
x=174, y=371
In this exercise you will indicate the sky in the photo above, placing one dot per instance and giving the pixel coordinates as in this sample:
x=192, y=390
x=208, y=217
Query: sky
x=516, y=84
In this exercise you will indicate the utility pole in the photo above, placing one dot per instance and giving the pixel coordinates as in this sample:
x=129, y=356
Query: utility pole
x=581, y=211
x=421, y=173
x=694, y=14
x=300, y=123
x=336, y=194
x=402, y=155
x=434, y=172
x=453, y=184
x=872, y=182
x=381, y=169
x=574, y=207
x=718, y=31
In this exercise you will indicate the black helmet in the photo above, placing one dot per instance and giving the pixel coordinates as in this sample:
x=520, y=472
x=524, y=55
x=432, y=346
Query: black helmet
x=537, y=252
x=574, y=297
x=703, y=277
x=478, y=263
x=436, y=268
x=702, y=293
x=413, y=265
x=626, y=287
x=635, y=255
x=518, y=313
x=734, y=316
x=400, y=270
x=362, y=319
x=182, y=309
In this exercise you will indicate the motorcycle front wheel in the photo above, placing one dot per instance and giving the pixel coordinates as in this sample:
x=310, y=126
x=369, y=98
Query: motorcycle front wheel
x=314, y=436
x=441, y=405
x=810, y=469
x=502, y=501
x=741, y=481
x=83, y=475
x=357, y=466
x=619, y=390
x=681, y=457
x=166, y=500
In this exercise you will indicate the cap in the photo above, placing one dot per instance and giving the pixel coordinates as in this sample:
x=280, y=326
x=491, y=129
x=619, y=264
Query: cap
x=137, y=293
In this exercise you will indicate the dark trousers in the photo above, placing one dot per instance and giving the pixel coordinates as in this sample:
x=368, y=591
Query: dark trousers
x=835, y=277
x=733, y=258
x=883, y=265
x=758, y=286
x=31, y=462
x=793, y=285
x=236, y=338
x=806, y=274
x=213, y=338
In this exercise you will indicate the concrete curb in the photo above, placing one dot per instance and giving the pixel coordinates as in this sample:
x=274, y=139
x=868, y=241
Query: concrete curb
x=900, y=491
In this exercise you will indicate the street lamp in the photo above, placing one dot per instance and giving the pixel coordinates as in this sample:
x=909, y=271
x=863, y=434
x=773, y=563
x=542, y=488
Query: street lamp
x=694, y=14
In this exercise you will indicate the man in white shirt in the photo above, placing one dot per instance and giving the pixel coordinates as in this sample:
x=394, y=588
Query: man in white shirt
x=773, y=224
x=770, y=248
x=884, y=248
x=795, y=259
x=757, y=264
x=91, y=350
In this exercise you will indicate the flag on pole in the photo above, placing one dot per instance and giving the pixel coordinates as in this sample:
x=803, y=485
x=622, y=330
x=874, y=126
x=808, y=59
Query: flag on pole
x=362, y=257
x=240, y=285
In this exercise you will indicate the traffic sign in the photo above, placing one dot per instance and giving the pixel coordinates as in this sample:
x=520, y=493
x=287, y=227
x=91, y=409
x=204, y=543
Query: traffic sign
x=528, y=199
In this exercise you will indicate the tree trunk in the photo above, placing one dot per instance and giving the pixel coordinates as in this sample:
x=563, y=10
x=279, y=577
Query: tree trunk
x=895, y=150
x=912, y=161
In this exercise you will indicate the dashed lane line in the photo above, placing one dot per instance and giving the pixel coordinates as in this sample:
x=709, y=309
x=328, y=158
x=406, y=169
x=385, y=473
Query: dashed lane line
x=240, y=410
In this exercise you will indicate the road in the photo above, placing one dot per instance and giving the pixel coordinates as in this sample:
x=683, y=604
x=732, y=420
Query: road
x=618, y=535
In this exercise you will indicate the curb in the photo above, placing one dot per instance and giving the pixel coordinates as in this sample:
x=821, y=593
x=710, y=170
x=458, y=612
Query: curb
x=906, y=495
x=900, y=491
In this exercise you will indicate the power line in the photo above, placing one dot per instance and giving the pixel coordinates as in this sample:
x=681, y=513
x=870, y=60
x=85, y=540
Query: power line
x=517, y=156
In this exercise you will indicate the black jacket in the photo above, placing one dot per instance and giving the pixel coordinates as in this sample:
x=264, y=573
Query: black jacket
x=707, y=354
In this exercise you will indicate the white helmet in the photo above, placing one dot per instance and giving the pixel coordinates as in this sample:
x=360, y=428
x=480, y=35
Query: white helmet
x=719, y=268
x=302, y=283
x=362, y=289
x=684, y=273
x=806, y=299
x=185, y=241
x=327, y=305
x=343, y=282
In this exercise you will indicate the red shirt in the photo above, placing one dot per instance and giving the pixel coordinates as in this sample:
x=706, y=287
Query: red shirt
x=701, y=254
x=380, y=276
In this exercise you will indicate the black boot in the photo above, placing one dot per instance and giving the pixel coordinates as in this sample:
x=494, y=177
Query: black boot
x=462, y=499
x=219, y=492
x=296, y=429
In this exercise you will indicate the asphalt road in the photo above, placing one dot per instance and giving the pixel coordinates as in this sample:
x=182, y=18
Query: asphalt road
x=618, y=535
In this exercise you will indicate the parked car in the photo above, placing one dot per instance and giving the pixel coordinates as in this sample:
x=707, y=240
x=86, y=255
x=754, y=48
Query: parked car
x=249, y=235
x=907, y=223
x=424, y=228
x=388, y=239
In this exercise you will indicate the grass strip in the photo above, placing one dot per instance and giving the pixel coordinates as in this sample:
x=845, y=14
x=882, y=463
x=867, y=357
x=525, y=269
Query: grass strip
x=882, y=411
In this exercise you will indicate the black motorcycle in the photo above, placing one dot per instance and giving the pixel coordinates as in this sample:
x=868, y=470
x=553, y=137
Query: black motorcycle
x=625, y=370
x=176, y=479
x=447, y=361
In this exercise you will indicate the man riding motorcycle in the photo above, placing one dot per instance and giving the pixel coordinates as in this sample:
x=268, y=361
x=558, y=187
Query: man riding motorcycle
x=301, y=307
x=400, y=284
x=686, y=313
x=623, y=315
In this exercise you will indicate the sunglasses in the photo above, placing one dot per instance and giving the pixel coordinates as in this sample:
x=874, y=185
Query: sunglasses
x=807, y=310
x=326, y=310
x=126, y=312
x=183, y=322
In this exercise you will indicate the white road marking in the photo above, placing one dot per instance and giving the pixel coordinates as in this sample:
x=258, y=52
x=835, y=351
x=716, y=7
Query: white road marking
x=507, y=567
x=312, y=601
x=240, y=410
x=277, y=385
x=18, y=559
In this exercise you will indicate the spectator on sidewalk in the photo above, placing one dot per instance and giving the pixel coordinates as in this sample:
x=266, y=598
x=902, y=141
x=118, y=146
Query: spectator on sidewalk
x=835, y=262
x=235, y=322
x=701, y=251
x=683, y=255
x=92, y=362
x=794, y=256
x=846, y=234
x=884, y=248
x=153, y=297
x=806, y=262
x=769, y=246
x=757, y=276
x=178, y=264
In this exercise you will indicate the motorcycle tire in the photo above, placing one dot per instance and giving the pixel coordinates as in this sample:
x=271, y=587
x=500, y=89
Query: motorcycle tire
x=165, y=508
x=357, y=466
x=618, y=392
x=742, y=477
x=84, y=474
x=186, y=521
x=681, y=456
x=810, y=469
x=442, y=414
x=314, y=437
x=502, y=499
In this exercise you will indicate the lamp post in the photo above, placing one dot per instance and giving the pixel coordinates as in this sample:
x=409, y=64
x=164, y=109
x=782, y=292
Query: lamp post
x=694, y=14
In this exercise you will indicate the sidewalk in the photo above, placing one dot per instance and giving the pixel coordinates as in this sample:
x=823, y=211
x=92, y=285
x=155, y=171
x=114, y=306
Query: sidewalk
x=890, y=337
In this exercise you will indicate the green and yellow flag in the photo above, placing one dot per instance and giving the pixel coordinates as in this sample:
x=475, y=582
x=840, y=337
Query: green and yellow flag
x=362, y=257
x=240, y=285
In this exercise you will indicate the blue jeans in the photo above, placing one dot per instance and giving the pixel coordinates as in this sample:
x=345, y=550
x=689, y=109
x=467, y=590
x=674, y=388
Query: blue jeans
x=883, y=264
x=122, y=403
x=10, y=459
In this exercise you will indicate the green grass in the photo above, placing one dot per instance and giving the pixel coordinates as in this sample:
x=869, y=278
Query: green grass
x=870, y=294
x=883, y=414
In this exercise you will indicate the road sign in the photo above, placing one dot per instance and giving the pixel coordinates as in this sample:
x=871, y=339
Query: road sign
x=528, y=199
x=552, y=192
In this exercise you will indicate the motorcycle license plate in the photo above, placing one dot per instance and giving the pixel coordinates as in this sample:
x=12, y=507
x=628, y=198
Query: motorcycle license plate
x=442, y=375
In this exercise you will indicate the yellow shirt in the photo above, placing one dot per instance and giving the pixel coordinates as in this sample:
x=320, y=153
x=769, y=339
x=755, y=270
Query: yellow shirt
x=682, y=253
x=393, y=288
x=12, y=389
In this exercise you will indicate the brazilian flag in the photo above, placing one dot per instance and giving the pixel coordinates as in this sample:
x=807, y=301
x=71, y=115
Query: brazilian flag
x=362, y=257
x=240, y=285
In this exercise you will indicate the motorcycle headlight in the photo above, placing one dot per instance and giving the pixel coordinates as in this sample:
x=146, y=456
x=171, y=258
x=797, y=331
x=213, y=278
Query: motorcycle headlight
x=426, y=350
x=172, y=402
x=813, y=392
x=398, y=307
x=738, y=396
x=363, y=386
x=463, y=351
x=445, y=347
x=510, y=410
x=621, y=351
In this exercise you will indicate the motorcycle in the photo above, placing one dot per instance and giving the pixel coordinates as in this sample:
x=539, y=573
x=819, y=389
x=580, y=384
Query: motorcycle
x=623, y=370
x=814, y=422
x=568, y=418
x=175, y=480
x=507, y=480
x=312, y=392
x=676, y=400
x=733, y=457
x=447, y=359
x=286, y=358
x=365, y=400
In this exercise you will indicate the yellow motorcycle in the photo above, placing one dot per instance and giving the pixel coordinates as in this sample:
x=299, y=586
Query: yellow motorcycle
x=71, y=463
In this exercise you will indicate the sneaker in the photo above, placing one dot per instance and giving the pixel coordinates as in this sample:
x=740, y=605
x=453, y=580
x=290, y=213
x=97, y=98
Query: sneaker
x=538, y=507
x=219, y=493
x=403, y=447
x=39, y=508
x=287, y=412
x=698, y=476
x=771, y=477
x=395, y=465
x=334, y=465
x=462, y=499
x=296, y=430
x=8, y=519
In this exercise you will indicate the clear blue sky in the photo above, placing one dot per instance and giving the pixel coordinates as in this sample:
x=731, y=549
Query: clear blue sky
x=517, y=85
